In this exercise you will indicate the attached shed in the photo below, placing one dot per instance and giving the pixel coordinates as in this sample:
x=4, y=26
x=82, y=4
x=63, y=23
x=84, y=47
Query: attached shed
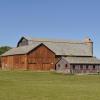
x=79, y=65
x=63, y=66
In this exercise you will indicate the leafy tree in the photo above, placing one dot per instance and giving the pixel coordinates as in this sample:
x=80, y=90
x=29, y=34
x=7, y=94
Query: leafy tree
x=3, y=49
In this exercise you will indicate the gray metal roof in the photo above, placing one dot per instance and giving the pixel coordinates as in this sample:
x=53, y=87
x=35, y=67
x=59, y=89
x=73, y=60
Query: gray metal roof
x=21, y=50
x=65, y=47
x=76, y=49
x=59, y=48
x=68, y=48
x=82, y=60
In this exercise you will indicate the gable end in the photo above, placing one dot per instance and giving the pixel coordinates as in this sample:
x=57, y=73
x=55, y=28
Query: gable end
x=40, y=46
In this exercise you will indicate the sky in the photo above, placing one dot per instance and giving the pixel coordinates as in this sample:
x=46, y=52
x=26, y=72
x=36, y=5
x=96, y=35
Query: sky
x=55, y=19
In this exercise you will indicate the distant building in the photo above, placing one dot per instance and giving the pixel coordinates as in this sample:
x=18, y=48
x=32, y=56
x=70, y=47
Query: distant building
x=60, y=55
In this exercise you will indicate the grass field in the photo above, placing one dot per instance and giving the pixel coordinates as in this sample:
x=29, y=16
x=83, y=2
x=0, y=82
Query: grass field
x=48, y=86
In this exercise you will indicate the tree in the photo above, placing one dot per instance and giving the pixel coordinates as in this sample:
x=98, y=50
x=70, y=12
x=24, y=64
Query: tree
x=3, y=49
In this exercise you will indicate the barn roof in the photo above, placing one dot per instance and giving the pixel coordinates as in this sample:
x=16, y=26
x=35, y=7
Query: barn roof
x=82, y=60
x=66, y=47
x=20, y=50
x=59, y=47
x=79, y=49
x=41, y=40
x=54, y=40
x=75, y=49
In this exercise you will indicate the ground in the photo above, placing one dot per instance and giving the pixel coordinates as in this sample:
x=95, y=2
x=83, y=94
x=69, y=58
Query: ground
x=28, y=85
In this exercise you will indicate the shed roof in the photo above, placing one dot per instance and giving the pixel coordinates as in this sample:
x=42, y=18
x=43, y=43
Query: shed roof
x=82, y=60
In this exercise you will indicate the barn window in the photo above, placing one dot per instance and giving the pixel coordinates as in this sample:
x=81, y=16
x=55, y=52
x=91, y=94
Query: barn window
x=81, y=67
x=73, y=66
x=58, y=65
x=93, y=66
x=66, y=66
x=87, y=66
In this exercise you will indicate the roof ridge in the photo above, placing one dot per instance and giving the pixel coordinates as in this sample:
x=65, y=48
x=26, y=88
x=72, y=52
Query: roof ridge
x=54, y=40
x=60, y=41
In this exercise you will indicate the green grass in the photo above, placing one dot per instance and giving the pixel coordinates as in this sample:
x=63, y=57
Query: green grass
x=48, y=86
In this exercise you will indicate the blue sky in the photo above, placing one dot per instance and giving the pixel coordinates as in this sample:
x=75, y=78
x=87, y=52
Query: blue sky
x=60, y=19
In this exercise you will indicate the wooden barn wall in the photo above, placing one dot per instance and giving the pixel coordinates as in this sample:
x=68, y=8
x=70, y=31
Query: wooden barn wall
x=20, y=62
x=41, y=59
x=7, y=62
x=14, y=62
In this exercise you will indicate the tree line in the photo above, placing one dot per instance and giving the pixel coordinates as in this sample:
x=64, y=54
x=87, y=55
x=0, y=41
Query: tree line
x=3, y=49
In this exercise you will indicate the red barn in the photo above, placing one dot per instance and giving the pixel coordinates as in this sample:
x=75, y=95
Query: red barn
x=59, y=55
x=33, y=57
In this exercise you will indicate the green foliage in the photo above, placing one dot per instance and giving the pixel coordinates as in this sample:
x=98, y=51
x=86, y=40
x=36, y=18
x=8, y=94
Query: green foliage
x=3, y=49
x=26, y=85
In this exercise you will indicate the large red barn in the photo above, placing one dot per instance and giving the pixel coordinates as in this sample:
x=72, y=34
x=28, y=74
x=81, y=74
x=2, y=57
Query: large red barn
x=46, y=55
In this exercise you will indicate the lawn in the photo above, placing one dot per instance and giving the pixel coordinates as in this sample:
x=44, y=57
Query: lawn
x=28, y=85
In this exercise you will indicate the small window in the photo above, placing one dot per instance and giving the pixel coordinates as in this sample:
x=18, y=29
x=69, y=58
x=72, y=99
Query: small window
x=58, y=65
x=87, y=67
x=93, y=66
x=73, y=66
x=66, y=66
x=81, y=67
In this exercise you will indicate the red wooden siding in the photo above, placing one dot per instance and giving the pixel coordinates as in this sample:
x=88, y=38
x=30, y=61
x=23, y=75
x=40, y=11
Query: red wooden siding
x=14, y=62
x=41, y=59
